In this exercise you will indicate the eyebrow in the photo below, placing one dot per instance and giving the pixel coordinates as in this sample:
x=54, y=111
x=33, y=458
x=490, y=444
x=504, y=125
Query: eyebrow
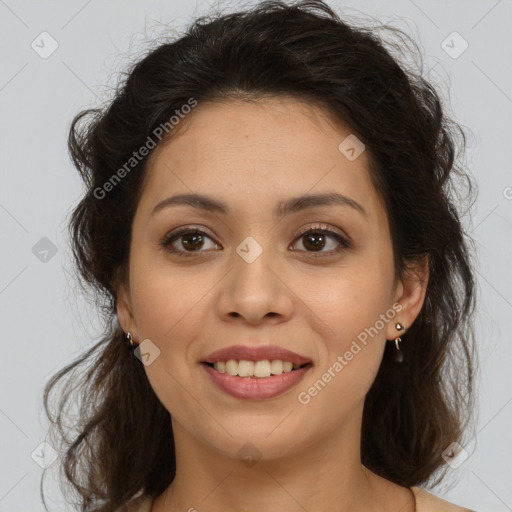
x=291, y=205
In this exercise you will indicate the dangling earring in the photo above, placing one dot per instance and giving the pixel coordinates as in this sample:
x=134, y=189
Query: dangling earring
x=129, y=338
x=398, y=356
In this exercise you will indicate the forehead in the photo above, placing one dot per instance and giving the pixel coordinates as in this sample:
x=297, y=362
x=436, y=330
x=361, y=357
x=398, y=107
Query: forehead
x=278, y=123
x=260, y=151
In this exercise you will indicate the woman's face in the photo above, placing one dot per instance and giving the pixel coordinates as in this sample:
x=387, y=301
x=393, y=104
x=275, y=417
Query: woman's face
x=255, y=280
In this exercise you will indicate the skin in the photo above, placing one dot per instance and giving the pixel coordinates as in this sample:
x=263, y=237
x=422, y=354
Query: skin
x=250, y=156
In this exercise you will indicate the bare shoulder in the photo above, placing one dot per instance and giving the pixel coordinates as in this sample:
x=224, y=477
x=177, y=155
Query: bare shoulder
x=428, y=502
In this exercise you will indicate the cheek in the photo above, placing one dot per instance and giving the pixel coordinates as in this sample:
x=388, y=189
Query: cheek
x=164, y=298
x=165, y=306
x=354, y=301
x=351, y=356
x=357, y=311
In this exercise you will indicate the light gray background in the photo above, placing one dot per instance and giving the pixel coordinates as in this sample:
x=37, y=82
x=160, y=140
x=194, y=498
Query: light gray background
x=46, y=323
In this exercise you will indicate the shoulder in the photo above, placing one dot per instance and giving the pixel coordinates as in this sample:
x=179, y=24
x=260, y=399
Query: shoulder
x=138, y=504
x=427, y=502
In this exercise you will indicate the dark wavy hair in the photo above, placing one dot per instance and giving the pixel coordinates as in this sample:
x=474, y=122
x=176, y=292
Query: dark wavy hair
x=123, y=444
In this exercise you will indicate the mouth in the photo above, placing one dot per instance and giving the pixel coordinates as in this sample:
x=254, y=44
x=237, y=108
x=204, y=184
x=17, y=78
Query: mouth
x=255, y=370
x=256, y=382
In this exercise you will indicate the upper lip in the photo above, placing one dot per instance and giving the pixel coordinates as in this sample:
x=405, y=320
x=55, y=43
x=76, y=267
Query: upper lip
x=251, y=353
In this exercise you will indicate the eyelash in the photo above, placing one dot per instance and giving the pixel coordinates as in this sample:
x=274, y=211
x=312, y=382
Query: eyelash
x=322, y=229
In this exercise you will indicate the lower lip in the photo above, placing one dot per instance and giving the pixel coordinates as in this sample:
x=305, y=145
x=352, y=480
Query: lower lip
x=256, y=388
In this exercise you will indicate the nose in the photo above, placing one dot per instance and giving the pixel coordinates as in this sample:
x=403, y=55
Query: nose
x=253, y=290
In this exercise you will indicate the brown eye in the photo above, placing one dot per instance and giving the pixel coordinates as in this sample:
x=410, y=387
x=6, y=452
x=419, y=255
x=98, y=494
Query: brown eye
x=192, y=240
x=315, y=239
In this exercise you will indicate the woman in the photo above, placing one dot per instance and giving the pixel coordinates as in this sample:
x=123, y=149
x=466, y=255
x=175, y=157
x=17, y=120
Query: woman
x=287, y=283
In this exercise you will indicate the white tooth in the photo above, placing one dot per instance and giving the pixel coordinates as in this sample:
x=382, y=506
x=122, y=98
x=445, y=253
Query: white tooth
x=220, y=366
x=262, y=368
x=232, y=367
x=245, y=368
x=276, y=367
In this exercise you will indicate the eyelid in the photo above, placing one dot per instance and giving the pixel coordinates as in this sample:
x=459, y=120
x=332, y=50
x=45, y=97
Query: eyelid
x=323, y=227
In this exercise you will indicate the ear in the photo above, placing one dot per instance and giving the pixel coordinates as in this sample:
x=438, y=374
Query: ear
x=125, y=311
x=410, y=294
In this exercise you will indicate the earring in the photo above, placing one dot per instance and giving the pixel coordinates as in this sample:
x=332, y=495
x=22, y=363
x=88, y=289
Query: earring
x=398, y=355
x=129, y=338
